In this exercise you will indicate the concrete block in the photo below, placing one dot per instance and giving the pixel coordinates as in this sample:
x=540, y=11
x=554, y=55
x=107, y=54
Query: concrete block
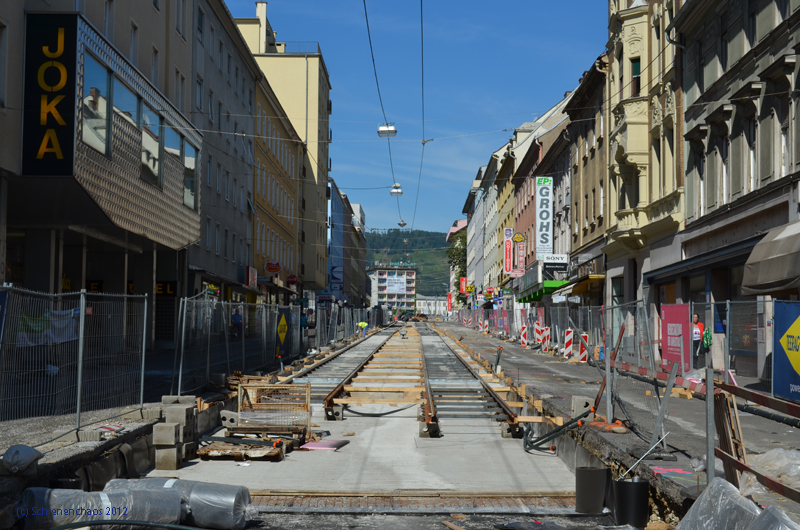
x=189, y=451
x=166, y=434
x=335, y=413
x=180, y=413
x=90, y=436
x=133, y=415
x=511, y=431
x=178, y=400
x=169, y=458
x=580, y=404
x=228, y=418
x=187, y=433
x=151, y=413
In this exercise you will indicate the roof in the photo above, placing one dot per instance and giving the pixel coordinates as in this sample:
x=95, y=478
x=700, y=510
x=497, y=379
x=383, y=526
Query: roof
x=457, y=227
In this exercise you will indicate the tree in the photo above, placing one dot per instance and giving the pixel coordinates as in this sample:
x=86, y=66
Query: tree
x=457, y=258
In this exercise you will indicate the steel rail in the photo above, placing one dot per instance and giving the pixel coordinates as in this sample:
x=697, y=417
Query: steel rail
x=429, y=409
x=512, y=416
x=328, y=401
x=330, y=358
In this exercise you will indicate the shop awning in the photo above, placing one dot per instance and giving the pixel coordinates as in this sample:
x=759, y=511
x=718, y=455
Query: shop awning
x=774, y=263
x=540, y=289
x=583, y=284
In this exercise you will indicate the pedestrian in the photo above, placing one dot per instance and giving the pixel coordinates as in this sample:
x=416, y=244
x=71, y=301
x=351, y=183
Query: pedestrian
x=697, y=341
x=236, y=321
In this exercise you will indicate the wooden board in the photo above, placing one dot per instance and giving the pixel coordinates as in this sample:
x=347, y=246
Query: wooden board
x=362, y=401
x=350, y=388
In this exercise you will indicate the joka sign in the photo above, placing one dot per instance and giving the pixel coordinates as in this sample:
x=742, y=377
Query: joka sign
x=48, y=137
x=786, y=368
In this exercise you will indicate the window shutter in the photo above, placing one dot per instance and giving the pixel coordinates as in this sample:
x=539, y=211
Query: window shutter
x=738, y=145
x=766, y=147
x=710, y=178
x=691, y=183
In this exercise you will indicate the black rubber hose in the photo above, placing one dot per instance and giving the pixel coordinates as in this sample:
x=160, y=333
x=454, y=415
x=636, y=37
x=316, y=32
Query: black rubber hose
x=377, y=414
x=122, y=522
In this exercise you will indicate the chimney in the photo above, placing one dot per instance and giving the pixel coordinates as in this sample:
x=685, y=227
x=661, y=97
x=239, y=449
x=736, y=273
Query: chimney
x=261, y=14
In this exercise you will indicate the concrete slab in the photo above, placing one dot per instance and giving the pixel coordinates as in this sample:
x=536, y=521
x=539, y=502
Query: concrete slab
x=386, y=455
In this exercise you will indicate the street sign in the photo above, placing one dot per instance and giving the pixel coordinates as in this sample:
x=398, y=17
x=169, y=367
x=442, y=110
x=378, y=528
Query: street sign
x=283, y=342
x=559, y=299
x=574, y=299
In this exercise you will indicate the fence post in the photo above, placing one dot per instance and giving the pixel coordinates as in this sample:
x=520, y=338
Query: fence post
x=726, y=365
x=264, y=334
x=710, y=468
x=175, y=360
x=241, y=333
x=650, y=349
x=82, y=326
x=225, y=323
x=144, y=343
x=183, y=342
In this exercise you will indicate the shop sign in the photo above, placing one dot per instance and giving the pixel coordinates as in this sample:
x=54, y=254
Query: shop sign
x=507, y=292
x=292, y=279
x=574, y=299
x=449, y=301
x=480, y=298
x=166, y=288
x=463, y=284
x=273, y=267
x=48, y=131
x=559, y=299
x=470, y=288
x=544, y=215
x=94, y=286
x=251, y=277
x=508, y=250
x=786, y=371
x=675, y=324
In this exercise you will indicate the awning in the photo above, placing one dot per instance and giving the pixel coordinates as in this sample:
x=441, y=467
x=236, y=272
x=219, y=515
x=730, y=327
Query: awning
x=541, y=289
x=583, y=284
x=774, y=263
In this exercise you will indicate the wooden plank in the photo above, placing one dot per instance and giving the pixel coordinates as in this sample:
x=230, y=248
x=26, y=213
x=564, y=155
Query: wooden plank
x=452, y=526
x=785, y=407
x=368, y=379
x=350, y=388
x=530, y=419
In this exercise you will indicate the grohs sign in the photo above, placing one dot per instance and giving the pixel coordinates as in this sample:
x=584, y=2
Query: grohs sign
x=48, y=138
x=544, y=215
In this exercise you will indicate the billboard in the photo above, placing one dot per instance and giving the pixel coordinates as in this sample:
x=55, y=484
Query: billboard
x=676, y=328
x=449, y=301
x=508, y=250
x=544, y=215
x=396, y=285
x=48, y=130
x=463, y=284
x=786, y=358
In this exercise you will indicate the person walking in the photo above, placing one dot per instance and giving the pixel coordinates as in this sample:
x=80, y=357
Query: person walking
x=697, y=341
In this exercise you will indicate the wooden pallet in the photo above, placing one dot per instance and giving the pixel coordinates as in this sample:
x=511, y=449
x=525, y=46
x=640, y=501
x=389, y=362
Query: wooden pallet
x=240, y=452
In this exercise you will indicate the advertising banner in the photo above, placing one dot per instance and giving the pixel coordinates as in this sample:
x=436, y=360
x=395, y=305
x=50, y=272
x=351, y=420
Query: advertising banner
x=449, y=301
x=521, y=256
x=396, y=285
x=675, y=325
x=508, y=250
x=544, y=215
x=463, y=284
x=505, y=322
x=786, y=358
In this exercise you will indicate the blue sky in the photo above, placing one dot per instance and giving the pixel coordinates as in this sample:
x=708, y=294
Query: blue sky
x=488, y=67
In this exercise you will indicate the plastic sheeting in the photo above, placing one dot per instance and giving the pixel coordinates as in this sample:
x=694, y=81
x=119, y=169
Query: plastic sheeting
x=216, y=506
x=773, y=518
x=46, y=508
x=720, y=507
x=18, y=457
x=781, y=464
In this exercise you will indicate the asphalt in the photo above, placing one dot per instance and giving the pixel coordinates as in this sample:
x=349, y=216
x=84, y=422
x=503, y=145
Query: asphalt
x=556, y=381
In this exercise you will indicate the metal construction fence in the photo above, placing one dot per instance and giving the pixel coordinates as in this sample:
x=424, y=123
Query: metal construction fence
x=76, y=358
x=226, y=337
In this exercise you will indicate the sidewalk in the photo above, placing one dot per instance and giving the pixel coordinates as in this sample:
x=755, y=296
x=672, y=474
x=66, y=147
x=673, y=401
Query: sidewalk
x=556, y=381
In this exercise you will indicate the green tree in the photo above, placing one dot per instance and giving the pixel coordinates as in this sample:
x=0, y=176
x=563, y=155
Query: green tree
x=457, y=258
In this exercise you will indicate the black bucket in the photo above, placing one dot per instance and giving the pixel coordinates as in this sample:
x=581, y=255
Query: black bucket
x=591, y=484
x=631, y=501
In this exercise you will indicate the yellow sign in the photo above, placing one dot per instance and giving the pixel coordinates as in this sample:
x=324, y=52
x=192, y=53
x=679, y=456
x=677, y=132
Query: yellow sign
x=518, y=238
x=282, y=329
x=791, y=344
x=470, y=288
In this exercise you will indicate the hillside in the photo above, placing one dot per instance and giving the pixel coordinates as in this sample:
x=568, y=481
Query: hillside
x=426, y=249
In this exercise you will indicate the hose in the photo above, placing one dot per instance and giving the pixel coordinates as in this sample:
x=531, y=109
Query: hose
x=377, y=414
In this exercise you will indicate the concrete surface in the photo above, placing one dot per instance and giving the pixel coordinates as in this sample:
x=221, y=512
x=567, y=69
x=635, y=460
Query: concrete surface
x=386, y=455
x=417, y=522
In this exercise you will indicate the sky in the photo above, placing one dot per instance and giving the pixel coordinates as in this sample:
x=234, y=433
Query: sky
x=488, y=68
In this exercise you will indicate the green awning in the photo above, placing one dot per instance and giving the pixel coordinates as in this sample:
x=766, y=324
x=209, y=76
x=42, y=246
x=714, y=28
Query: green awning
x=541, y=289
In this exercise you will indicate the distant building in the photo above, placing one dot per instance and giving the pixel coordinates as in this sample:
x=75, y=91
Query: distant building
x=432, y=305
x=395, y=285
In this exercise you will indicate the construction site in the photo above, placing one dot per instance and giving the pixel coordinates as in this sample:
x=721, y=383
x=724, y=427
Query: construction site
x=412, y=425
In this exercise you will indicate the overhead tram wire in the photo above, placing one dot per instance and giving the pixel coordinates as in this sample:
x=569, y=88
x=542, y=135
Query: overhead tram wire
x=380, y=99
x=424, y=141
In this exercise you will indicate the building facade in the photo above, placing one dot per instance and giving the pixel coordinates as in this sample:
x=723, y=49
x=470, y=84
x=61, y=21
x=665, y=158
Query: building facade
x=394, y=285
x=298, y=75
x=336, y=244
x=432, y=306
x=106, y=147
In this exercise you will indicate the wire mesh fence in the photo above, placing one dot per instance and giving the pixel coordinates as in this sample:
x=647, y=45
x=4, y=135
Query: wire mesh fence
x=74, y=358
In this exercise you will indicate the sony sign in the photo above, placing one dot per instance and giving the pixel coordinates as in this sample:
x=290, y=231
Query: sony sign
x=544, y=215
x=48, y=137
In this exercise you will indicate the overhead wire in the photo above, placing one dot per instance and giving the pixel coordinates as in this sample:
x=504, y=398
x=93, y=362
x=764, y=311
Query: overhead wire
x=424, y=140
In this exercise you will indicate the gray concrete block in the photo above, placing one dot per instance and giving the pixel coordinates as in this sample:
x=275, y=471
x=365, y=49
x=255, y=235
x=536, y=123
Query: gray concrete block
x=335, y=413
x=90, y=436
x=166, y=434
x=580, y=404
x=169, y=458
x=151, y=413
x=178, y=400
x=228, y=418
x=188, y=432
x=180, y=414
x=189, y=451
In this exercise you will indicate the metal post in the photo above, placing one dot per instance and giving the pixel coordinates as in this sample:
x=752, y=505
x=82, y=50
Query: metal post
x=609, y=380
x=241, y=333
x=691, y=335
x=263, y=334
x=183, y=342
x=710, y=470
x=175, y=360
x=649, y=338
x=209, y=320
x=144, y=345
x=225, y=323
x=727, y=349
x=81, y=325
x=683, y=366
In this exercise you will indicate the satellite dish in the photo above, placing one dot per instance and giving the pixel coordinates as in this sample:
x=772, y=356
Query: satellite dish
x=402, y=223
x=387, y=130
x=396, y=191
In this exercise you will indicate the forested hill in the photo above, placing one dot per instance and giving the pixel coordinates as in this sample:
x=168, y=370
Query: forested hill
x=426, y=249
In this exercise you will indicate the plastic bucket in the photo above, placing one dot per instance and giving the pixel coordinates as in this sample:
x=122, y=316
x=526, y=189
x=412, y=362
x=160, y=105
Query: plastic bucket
x=591, y=484
x=631, y=501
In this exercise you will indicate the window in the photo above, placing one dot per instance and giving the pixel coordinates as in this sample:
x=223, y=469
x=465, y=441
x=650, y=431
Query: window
x=154, y=68
x=236, y=82
x=751, y=28
x=586, y=211
x=785, y=155
x=235, y=135
x=724, y=149
x=217, y=240
x=133, y=51
x=241, y=251
x=235, y=184
x=221, y=54
x=241, y=199
x=229, y=68
x=233, y=248
x=783, y=10
x=750, y=128
x=190, y=175
x=227, y=185
x=250, y=101
x=209, y=171
x=225, y=245
x=258, y=121
x=219, y=178
x=199, y=94
x=228, y=126
x=723, y=42
x=594, y=205
x=617, y=290
x=155, y=4
x=94, y=127
x=208, y=233
x=182, y=94
x=700, y=71
x=3, y=62
x=636, y=76
x=211, y=106
x=211, y=43
x=181, y=16
x=126, y=104
x=219, y=115
x=602, y=201
x=621, y=77
x=201, y=22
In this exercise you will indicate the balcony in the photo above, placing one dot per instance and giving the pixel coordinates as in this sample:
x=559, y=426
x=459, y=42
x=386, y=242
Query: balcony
x=630, y=135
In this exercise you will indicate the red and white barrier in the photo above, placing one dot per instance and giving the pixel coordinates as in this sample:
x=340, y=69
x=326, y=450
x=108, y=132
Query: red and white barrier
x=583, y=356
x=537, y=332
x=486, y=326
x=469, y=321
x=546, y=338
x=568, y=342
x=524, y=335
